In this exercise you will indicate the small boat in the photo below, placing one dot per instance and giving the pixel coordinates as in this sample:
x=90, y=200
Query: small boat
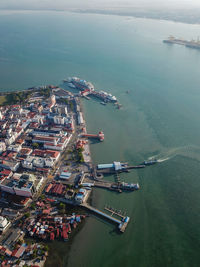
x=119, y=106
x=150, y=162
x=103, y=103
x=71, y=85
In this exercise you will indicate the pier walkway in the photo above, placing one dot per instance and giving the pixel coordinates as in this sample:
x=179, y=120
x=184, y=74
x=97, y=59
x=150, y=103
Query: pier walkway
x=122, y=224
x=103, y=184
x=115, y=212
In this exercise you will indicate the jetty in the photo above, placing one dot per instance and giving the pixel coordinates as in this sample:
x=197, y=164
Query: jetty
x=122, y=224
x=119, y=213
x=99, y=136
x=103, y=184
x=115, y=167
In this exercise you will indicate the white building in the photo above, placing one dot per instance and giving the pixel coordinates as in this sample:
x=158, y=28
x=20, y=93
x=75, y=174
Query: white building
x=81, y=195
x=59, y=120
x=80, y=118
x=40, y=183
x=10, y=165
x=49, y=162
x=15, y=148
x=4, y=224
x=10, y=139
x=2, y=147
x=24, y=185
x=38, y=162
x=32, y=162
x=38, y=119
x=28, y=163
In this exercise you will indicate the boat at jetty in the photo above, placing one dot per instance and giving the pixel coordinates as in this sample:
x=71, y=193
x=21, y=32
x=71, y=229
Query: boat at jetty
x=79, y=83
x=87, y=88
x=71, y=85
x=192, y=44
x=150, y=162
x=126, y=186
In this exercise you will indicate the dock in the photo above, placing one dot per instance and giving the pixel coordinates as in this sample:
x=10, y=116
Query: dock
x=117, y=177
x=107, y=185
x=119, y=213
x=99, y=136
x=111, y=170
x=122, y=224
x=103, y=184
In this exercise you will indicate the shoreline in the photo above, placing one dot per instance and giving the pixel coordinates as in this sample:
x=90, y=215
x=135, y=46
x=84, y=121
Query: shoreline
x=59, y=251
x=71, y=192
x=146, y=15
x=19, y=99
x=59, y=246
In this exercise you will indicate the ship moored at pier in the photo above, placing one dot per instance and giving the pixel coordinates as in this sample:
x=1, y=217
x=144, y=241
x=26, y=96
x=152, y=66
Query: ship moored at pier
x=87, y=88
x=191, y=44
x=79, y=83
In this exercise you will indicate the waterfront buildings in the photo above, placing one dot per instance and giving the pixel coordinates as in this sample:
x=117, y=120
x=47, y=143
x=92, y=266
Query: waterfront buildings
x=32, y=138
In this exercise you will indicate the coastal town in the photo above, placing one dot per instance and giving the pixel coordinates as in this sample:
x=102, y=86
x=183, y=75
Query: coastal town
x=46, y=166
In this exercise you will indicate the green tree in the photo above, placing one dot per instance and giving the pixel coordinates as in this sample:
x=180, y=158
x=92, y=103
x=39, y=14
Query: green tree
x=81, y=149
x=34, y=255
x=71, y=106
x=46, y=248
x=2, y=257
x=27, y=214
x=42, y=196
x=62, y=208
x=20, y=242
x=36, y=145
x=33, y=206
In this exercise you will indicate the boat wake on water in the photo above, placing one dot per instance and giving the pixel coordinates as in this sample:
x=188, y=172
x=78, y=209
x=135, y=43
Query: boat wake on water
x=162, y=160
x=190, y=151
x=158, y=158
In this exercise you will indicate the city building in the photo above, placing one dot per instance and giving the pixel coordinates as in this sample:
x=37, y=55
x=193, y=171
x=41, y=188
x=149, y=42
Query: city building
x=4, y=224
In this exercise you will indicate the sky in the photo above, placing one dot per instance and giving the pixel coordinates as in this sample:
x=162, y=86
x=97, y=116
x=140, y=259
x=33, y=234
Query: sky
x=64, y=4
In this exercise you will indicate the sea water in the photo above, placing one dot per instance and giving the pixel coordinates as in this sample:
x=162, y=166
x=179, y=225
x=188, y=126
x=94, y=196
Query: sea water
x=158, y=87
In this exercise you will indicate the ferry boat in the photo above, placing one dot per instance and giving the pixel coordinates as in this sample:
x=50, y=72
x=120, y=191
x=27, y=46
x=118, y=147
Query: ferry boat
x=150, y=162
x=131, y=187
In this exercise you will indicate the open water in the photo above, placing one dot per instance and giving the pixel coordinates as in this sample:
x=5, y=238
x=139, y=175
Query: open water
x=160, y=118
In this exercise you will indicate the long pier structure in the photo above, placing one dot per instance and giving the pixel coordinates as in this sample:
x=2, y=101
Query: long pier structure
x=116, y=167
x=122, y=224
x=99, y=136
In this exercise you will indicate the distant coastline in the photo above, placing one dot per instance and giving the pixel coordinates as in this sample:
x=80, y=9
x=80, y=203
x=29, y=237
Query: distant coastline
x=180, y=16
x=174, y=16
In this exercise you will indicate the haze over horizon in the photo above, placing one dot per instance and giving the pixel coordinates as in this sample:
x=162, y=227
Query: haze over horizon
x=62, y=4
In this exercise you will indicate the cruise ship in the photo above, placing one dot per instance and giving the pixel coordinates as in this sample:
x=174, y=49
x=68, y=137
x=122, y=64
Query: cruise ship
x=80, y=84
x=107, y=96
x=87, y=88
